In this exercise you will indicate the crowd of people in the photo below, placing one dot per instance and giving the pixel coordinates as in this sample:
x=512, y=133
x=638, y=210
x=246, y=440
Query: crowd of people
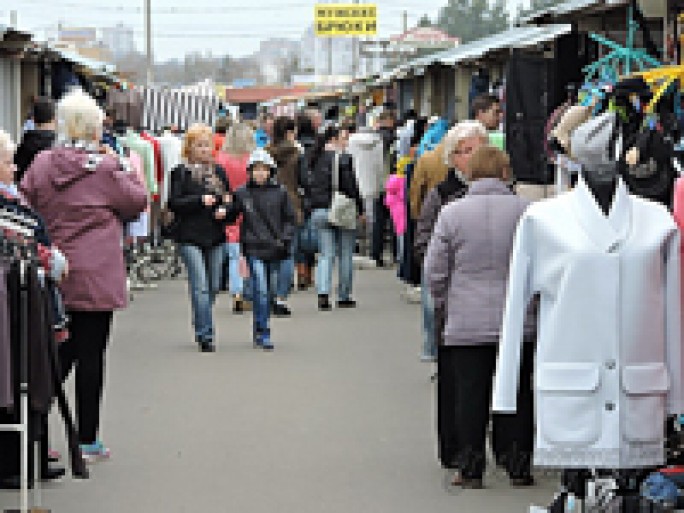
x=261, y=212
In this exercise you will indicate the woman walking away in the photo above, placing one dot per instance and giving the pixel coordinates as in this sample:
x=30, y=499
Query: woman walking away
x=331, y=172
x=84, y=192
x=233, y=158
x=307, y=237
x=287, y=157
x=268, y=227
x=199, y=189
x=467, y=268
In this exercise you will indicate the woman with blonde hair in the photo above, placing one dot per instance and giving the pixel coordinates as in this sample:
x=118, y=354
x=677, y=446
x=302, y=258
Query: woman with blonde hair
x=233, y=158
x=198, y=194
x=84, y=193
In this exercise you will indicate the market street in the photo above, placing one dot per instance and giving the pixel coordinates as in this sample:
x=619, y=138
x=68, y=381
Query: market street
x=339, y=418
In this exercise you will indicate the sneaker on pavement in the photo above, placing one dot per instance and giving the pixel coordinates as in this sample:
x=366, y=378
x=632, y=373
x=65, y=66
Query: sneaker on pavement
x=280, y=309
x=95, y=452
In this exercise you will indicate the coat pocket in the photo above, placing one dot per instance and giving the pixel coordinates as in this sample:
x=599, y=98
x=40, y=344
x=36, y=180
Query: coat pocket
x=645, y=387
x=568, y=408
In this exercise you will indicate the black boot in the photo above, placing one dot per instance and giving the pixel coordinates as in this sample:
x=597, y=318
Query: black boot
x=323, y=302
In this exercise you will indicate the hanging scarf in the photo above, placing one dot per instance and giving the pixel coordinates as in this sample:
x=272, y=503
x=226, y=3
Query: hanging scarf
x=206, y=174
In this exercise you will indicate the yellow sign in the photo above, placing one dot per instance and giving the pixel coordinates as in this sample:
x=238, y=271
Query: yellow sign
x=346, y=20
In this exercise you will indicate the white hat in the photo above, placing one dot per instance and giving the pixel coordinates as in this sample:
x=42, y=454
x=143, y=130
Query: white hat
x=261, y=156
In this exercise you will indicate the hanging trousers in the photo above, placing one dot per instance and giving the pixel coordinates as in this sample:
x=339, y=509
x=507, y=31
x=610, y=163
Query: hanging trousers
x=512, y=434
x=85, y=350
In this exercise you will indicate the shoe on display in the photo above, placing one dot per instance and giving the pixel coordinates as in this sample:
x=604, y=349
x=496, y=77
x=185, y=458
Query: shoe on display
x=95, y=452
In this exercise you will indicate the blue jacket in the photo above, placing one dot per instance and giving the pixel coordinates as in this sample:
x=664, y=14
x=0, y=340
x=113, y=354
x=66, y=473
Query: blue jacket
x=433, y=136
x=261, y=138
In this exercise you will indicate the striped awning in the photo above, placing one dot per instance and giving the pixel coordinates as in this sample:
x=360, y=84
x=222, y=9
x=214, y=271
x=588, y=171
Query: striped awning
x=165, y=107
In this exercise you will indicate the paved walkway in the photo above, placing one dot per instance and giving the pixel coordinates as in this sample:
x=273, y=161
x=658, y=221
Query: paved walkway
x=338, y=419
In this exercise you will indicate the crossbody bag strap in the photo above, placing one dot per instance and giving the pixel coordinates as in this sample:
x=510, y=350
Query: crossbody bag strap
x=336, y=172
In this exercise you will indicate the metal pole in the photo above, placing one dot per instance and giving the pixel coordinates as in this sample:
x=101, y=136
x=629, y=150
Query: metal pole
x=13, y=19
x=330, y=68
x=148, y=41
x=355, y=55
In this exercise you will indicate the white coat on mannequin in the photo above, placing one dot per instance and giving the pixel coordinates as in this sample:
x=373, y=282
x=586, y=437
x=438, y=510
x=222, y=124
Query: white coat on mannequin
x=609, y=354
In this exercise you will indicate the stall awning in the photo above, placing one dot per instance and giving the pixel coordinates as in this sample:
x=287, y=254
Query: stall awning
x=99, y=67
x=516, y=37
x=571, y=7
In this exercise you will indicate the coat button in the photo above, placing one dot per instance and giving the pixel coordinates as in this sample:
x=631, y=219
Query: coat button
x=610, y=406
x=610, y=364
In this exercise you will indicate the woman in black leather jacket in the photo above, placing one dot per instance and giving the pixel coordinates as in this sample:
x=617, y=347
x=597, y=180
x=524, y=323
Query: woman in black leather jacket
x=333, y=240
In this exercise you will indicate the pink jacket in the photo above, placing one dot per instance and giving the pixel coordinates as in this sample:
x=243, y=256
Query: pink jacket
x=236, y=171
x=395, y=190
x=679, y=213
x=84, y=206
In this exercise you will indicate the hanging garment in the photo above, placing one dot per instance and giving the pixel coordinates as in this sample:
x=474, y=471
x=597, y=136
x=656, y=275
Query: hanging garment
x=145, y=149
x=171, y=156
x=609, y=353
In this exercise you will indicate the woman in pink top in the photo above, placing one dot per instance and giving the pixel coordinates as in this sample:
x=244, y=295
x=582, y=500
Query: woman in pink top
x=233, y=157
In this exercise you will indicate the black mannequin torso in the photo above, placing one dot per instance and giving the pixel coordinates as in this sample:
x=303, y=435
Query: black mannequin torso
x=603, y=187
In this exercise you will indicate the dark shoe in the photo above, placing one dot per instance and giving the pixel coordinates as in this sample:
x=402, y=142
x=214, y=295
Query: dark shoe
x=469, y=483
x=266, y=344
x=324, y=303
x=522, y=482
x=238, y=305
x=52, y=473
x=207, y=346
x=346, y=303
x=281, y=310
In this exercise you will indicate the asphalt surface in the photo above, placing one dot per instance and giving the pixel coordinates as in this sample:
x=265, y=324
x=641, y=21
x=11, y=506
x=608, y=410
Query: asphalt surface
x=340, y=418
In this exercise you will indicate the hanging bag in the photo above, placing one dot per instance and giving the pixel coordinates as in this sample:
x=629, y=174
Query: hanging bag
x=343, y=213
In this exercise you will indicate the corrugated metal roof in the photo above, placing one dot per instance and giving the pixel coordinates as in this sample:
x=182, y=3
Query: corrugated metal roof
x=516, y=37
x=570, y=7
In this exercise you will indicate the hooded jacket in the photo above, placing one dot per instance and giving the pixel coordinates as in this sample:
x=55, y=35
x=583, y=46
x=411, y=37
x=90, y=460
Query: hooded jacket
x=268, y=220
x=395, y=201
x=287, y=157
x=33, y=142
x=367, y=151
x=84, y=199
x=320, y=190
x=197, y=224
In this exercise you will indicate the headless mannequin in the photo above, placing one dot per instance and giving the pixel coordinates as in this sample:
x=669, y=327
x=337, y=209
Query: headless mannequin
x=602, y=185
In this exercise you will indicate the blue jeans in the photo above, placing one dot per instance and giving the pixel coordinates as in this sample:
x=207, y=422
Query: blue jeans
x=232, y=253
x=204, y=276
x=334, y=241
x=286, y=269
x=261, y=275
x=429, y=344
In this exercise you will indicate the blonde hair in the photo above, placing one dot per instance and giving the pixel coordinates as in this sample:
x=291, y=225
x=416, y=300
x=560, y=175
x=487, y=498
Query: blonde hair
x=239, y=140
x=6, y=143
x=461, y=131
x=79, y=117
x=489, y=162
x=195, y=132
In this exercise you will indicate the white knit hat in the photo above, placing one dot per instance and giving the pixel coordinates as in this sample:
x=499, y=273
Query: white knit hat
x=261, y=156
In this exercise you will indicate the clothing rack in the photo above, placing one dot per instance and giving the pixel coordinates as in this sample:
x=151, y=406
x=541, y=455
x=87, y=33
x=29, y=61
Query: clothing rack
x=18, y=243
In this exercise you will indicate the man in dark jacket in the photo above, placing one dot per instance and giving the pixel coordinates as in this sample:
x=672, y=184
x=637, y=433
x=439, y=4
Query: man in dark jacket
x=267, y=232
x=39, y=139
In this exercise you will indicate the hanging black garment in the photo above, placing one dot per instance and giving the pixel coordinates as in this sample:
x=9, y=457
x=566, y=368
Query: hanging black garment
x=654, y=176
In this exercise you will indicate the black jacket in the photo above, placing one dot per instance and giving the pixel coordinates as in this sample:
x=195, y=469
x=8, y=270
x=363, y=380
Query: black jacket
x=32, y=144
x=320, y=189
x=268, y=220
x=195, y=223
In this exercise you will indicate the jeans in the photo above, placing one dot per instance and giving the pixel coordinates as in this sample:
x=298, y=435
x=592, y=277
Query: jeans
x=261, y=275
x=429, y=344
x=286, y=269
x=381, y=222
x=232, y=253
x=334, y=241
x=204, y=275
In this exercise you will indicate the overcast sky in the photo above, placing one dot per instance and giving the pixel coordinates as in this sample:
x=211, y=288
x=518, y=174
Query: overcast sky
x=221, y=26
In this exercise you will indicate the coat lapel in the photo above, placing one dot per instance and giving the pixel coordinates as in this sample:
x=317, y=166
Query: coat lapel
x=607, y=232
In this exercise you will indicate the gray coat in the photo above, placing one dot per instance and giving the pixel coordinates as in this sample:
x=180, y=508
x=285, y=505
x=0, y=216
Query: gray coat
x=467, y=262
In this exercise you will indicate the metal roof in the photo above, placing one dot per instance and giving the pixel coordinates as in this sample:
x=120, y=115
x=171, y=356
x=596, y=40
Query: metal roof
x=515, y=37
x=571, y=7
x=92, y=64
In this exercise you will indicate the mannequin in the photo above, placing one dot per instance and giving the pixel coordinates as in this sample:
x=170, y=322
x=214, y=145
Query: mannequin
x=602, y=186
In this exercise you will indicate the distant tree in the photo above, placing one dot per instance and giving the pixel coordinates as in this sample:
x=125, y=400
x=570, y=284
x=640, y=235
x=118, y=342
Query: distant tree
x=425, y=21
x=473, y=19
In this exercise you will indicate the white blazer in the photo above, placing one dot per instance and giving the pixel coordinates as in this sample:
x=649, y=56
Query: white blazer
x=609, y=354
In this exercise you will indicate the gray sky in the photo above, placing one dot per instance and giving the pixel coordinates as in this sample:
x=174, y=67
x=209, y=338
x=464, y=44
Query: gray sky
x=222, y=26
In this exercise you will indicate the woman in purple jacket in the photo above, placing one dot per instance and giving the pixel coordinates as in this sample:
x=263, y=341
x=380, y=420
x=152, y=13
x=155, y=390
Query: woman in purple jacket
x=85, y=194
x=467, y=271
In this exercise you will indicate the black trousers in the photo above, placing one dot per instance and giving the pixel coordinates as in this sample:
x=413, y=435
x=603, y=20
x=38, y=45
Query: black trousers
x=85, y=350
x=469, y=370
x=381, y=226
